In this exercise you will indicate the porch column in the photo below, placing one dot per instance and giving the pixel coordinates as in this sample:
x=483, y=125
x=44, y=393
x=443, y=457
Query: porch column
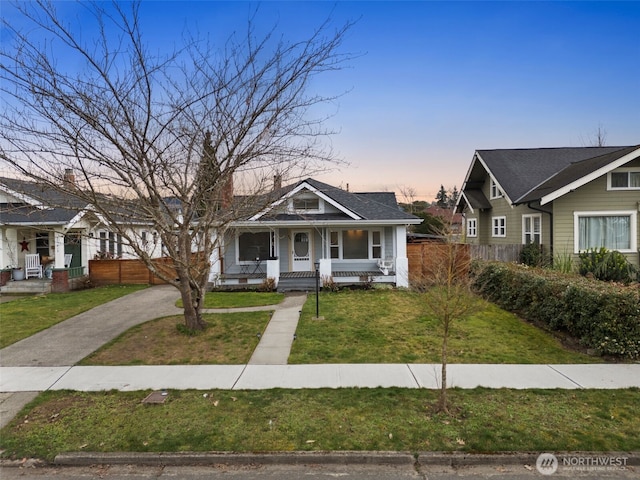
x=402, y=263
x=58, y=249
x=10, y=248
x=214, y=260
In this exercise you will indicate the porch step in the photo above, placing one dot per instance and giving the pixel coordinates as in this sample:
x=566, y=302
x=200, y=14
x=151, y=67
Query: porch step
x=32, y=287
x=300, y=284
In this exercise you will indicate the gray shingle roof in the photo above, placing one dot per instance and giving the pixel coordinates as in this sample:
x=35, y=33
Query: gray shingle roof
x=520, y=170
x=574, y=172
x=61, y=208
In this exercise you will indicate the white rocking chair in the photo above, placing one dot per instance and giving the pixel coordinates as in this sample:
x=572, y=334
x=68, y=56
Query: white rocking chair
x=32, y=265
x=385, y=265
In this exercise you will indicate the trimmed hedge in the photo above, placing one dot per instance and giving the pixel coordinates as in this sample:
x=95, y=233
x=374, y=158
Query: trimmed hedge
x=603, y=316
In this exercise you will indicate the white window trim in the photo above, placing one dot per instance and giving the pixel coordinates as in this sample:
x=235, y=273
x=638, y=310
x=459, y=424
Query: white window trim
x=492, y=186
x=531, y=216
x=621, y=170
x=633, y=227
x=473, y=221
x=369, y=244
x=493, y=227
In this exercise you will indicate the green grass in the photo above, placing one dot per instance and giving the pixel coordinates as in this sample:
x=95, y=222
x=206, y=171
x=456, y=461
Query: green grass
x=230, y=338
x=239, y=299
x=391, y=326
x=23, y=317
x=343, y=419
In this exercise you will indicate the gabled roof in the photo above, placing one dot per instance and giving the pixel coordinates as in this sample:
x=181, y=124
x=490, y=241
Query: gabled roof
x=37, y=204
x=354, y=206
x=526, y=175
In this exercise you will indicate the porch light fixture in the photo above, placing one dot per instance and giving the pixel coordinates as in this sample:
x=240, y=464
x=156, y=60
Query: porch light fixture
x=317, y=265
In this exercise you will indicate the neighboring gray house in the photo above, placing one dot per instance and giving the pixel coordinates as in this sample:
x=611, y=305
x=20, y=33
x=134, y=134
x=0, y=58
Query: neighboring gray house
x=353, y=237
x=571, y=199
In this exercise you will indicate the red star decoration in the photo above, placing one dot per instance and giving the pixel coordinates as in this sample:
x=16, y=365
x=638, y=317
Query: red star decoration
x=24, y=244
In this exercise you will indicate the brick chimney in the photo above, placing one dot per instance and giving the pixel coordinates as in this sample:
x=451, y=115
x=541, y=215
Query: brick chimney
x=227, y=192
x=69, y=179
x=277, y=182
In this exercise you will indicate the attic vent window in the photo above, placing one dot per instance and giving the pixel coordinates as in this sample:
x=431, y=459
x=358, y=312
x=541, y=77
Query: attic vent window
x=495, y=190
x=306, y=203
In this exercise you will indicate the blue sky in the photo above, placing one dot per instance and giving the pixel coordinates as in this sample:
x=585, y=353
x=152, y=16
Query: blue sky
x=438, y=80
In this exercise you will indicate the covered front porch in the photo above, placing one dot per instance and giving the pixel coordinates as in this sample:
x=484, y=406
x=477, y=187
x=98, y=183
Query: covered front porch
x=290, y=257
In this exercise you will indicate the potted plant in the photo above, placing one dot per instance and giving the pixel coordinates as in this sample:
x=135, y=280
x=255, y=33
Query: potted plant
x=17, y=273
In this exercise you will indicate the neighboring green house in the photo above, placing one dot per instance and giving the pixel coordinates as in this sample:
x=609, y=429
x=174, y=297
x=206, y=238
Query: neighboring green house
x=571, y=199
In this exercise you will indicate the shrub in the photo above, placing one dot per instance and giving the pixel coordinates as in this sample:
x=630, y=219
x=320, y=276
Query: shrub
x=268, y=285
x=533, y=255
x=603, y=316
x=329, y=284
x=607, y=265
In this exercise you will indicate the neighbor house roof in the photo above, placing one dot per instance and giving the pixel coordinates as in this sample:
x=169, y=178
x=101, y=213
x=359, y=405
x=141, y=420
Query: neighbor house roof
x=527, y=175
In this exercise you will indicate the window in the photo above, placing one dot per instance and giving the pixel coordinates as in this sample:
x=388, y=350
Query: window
x=42, y=244
x=306, y=203
x=499, y=226
x=335, y=245
x=532, y=229
x=252, y=246
x=624, y=179
x=376, y=244
x=495, y=190
x=110, y=244
x=612, y=230
x=472, y=227
x=356, y=244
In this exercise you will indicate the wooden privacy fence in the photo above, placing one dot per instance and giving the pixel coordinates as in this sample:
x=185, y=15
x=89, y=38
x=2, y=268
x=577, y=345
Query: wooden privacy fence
x=110, y=272
x=427, y=260
x=500, y=253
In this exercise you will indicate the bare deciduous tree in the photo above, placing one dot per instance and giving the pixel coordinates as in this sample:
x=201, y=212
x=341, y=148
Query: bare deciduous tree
x=445, y=283
x=156, y=138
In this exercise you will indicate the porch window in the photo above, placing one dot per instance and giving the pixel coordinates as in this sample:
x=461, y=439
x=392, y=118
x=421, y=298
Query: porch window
x=335, y=244
x=42, y=244
x=355, y=244
x=612, y=230
x=253, y=245
x=531, y=229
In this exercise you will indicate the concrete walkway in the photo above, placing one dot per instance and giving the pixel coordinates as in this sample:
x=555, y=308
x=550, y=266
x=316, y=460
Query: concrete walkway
x=275, y=344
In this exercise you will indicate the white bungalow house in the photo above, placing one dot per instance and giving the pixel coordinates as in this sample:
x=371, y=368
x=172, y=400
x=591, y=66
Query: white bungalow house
x=350, y=237
x=64, y=232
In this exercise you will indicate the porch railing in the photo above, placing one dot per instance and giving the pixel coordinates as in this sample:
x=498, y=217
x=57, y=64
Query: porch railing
x=76, y=272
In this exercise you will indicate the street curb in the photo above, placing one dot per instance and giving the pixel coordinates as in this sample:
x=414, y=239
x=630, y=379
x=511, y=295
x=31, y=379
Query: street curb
x=450, y=459
x=224, y=458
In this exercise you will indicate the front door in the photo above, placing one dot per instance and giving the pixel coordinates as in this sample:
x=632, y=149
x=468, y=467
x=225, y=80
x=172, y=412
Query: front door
x=301, y=250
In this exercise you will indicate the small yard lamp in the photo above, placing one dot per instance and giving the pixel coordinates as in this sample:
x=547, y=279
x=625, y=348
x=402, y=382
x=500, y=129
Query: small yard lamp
x=317, y=265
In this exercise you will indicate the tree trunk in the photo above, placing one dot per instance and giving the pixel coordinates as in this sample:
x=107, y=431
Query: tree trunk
x=192, y=300
x=442, y=399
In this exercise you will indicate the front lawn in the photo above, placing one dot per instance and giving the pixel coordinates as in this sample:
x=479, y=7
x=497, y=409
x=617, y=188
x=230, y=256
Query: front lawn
x=239, y=299
x=391, y=326
x=230, y=338
x=344, y=419
x=23, y=317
